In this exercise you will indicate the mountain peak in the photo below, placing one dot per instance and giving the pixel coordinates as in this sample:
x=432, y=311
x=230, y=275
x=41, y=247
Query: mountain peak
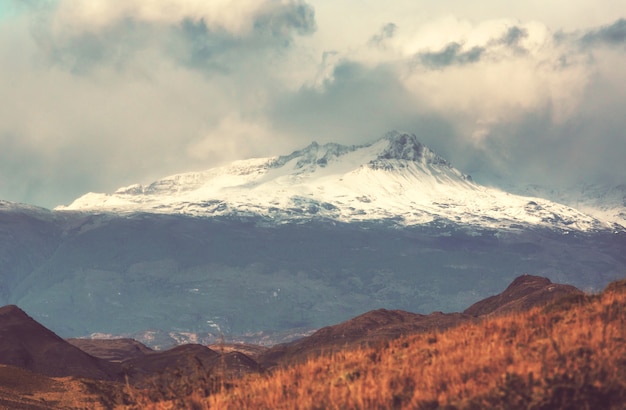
x=12, y=310
x=28, y=344
x=399, y=147
x=404, y=146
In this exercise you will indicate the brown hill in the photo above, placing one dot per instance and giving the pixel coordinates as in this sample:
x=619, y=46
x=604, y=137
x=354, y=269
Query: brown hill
x=523, y=293
x=115, y=350
x=185, y=358
x=236, y=364
x=367, y=329
x=175, y=373
x=570, y=354
x=187, y=361
x=27, y=344
x=381, y=325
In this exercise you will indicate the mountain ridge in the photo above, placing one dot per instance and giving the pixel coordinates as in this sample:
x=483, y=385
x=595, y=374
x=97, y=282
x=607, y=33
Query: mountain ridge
x=395, y=179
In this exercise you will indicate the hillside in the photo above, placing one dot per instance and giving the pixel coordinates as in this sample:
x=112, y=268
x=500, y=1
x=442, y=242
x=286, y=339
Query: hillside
x=569, y=354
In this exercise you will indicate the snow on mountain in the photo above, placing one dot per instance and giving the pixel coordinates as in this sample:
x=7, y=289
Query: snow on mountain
x=395, y=178
x=603, y=201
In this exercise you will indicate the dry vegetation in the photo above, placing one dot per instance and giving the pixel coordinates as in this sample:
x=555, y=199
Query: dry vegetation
x=568, y=355
x=22, y=389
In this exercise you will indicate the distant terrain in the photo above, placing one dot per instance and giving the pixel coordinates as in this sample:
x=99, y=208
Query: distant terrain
x=531, y=315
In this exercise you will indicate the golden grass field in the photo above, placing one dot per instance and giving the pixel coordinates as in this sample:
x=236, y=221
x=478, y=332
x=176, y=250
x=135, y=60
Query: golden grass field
x=568, y=355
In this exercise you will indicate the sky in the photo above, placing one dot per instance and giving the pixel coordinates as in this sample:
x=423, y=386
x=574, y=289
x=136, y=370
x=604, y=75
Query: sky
x=101, y=94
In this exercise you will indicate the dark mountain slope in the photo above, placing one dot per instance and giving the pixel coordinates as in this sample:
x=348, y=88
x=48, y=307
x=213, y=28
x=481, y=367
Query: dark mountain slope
x=29, y=236
x=27, y=344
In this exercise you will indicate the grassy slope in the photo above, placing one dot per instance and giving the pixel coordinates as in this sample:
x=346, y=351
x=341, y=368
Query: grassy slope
x=571, y=354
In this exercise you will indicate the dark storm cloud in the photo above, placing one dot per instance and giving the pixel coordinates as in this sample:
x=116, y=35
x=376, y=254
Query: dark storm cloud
x=585, y=148
x=387, y=32
x=454, y=54
x=614, y=34
x=451, y=55
x=513, y=36
x=191, y=42
x=358, y=104
x=208, y=49
x=113, y=46
x=296, y=17
x=201, y=48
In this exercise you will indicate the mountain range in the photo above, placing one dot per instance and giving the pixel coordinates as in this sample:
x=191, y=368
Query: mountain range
x=268, y=250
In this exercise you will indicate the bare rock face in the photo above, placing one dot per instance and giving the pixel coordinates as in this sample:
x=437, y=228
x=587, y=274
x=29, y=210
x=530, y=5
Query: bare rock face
x=408, y=148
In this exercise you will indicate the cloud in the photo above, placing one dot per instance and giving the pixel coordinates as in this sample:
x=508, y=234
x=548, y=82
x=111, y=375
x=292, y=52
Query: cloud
x=485, y=42
x=452, y=54
x=204, y=48
x=614, y=34
x=514, y=35
x=240, y=18
x=386, y=32
x=355, y=104
x=497, y=72
x=81, y=36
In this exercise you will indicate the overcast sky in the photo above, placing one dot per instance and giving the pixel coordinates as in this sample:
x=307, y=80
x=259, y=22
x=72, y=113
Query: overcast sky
x=99, y=94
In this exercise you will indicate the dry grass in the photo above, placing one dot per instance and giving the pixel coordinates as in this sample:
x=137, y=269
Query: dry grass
x=570, y=355
x=22, y=389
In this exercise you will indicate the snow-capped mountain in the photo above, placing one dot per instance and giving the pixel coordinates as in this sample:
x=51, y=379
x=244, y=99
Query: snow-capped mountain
x=396, y=178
